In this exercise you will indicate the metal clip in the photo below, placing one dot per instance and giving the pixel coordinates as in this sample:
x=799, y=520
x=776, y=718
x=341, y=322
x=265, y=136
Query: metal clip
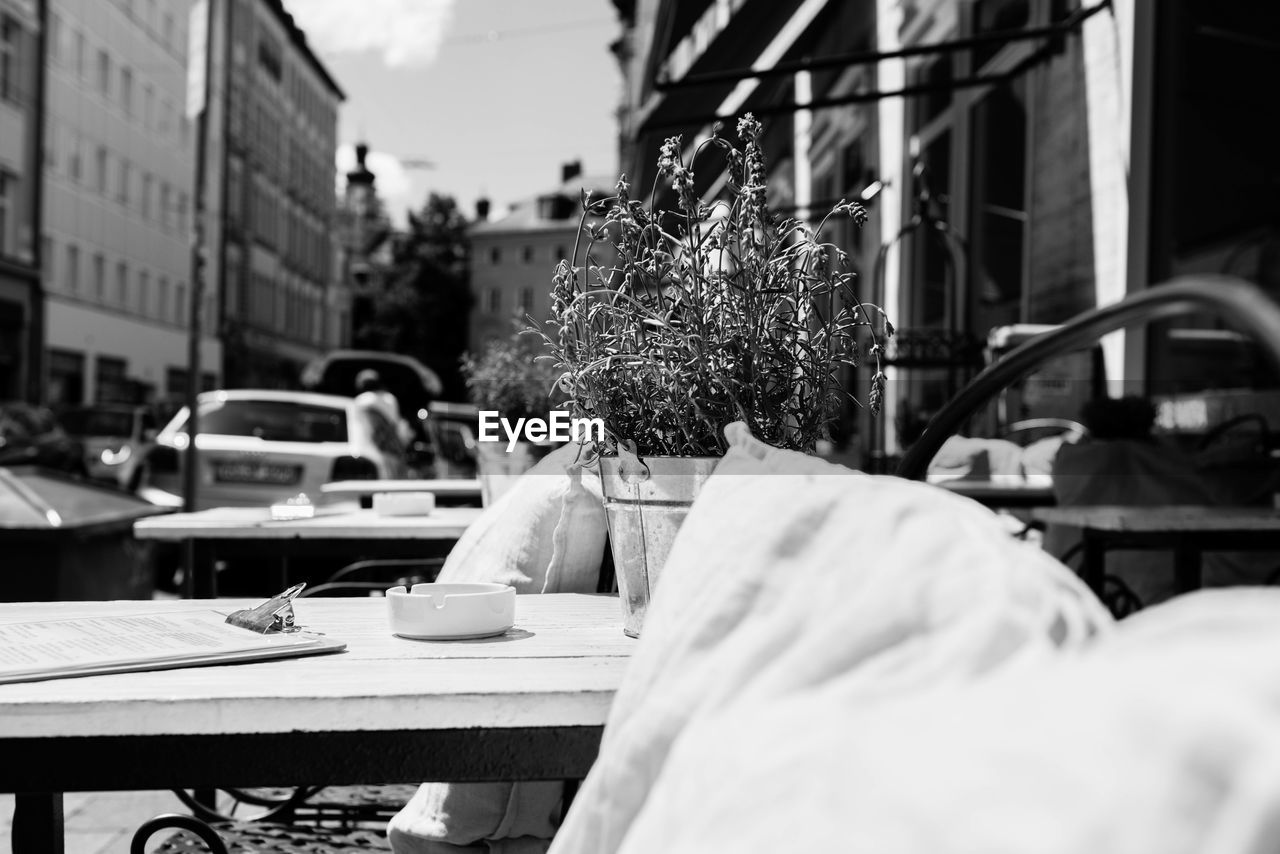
x=274, y=615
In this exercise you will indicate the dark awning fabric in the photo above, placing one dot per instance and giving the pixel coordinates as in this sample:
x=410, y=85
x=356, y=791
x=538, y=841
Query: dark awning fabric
x=33, y=498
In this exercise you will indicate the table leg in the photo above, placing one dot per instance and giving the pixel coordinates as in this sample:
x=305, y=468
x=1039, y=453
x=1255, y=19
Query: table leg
x=1093, y=565
x=200, y=574
x=1186, y=567
x=37, y=823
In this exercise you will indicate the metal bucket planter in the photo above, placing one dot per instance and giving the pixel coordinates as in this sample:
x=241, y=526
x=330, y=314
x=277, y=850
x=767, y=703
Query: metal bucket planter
x=498, y=470
x=645, y=502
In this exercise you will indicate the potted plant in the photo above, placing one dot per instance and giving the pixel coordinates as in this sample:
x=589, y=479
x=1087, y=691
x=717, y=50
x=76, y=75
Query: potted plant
x=669, y=325
x=515, y=378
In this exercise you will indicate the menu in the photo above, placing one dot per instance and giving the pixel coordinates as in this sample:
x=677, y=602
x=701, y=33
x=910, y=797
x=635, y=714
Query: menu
x=54, y=649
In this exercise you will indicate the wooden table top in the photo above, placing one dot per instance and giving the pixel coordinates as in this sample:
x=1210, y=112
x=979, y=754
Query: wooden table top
x=1171, y=518
x=338, y=522
x=459, y=487
x=559, y=666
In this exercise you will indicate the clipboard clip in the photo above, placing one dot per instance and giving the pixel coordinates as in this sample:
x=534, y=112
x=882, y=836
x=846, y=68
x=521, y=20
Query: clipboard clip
x=273, y=615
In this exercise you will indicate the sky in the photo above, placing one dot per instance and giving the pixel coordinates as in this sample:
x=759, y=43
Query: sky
x=469, y=98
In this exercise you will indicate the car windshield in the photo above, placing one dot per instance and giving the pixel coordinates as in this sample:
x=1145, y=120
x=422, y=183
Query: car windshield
x=273, y=420
x=98, y=422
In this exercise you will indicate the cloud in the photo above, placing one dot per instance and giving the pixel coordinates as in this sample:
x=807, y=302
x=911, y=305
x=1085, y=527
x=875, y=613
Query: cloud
x=406, y=32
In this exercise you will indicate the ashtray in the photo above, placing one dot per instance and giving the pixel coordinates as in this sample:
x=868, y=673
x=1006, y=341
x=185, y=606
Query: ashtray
x=297, y=507
x=404, y=503
x=451, y=611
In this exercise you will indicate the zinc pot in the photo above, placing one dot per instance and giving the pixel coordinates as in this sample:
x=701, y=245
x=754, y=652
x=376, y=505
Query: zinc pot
x=645, y=502
x=498, y=469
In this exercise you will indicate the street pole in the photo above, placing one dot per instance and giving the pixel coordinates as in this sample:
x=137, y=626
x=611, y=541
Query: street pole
x=199, y=63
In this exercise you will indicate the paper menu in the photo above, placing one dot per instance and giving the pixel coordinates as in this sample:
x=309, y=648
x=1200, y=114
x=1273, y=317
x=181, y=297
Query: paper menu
x=51, y=649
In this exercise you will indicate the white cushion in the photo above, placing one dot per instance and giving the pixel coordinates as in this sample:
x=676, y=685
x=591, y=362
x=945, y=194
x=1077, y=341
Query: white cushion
x=792, y=577
x=546, y=534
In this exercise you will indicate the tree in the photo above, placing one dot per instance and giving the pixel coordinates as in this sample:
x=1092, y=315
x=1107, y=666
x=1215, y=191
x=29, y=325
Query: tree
x=424, y=310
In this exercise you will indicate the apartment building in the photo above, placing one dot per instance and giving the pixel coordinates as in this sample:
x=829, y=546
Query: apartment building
x=514, y=256
x=272, y=134
x=119, y=166
x=20, y=75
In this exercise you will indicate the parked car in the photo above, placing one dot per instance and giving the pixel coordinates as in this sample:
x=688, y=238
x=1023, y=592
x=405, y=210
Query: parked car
x=31, y=435
x=116, y=436
x=259, y=447
x=413, y=384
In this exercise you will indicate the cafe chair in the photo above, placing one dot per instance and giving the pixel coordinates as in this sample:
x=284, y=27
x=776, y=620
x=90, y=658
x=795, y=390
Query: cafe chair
x=1242, y=304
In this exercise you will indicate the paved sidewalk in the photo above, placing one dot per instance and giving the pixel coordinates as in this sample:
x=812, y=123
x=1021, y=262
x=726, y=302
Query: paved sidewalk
x=99, y=822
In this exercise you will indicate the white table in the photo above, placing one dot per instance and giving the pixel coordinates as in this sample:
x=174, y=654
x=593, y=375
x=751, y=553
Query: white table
x=444, y=489
x=1187, y=530
x=530, y=704
x=333, y=531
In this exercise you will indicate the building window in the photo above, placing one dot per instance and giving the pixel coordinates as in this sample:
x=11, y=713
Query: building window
x=73, y=160
x=66, y=377
x=146, y=195
x=104, y=73
x=162, y=298
x=122, y=284
x=526, y=300
x=493, y=300
x=179, y=303
x=126, y=90
x=526, y=255
x=73, y=269
x=269, y=59
x=9, y=35
x=126, y=176
x=101, y=175
x=111, y=384
x=148, y=106
x=99, y=275
x=82, y=56
x=144, y=293
x=495, y=255
x=175, y=383
x=7, y=184
x=559, y=255
x=56, y=36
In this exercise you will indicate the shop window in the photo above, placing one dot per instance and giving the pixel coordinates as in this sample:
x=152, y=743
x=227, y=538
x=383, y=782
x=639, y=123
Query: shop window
x=66, y=377
x=111, y=385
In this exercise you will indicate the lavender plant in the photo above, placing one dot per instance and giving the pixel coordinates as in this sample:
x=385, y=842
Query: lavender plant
x=513, y=376
x=709, y=314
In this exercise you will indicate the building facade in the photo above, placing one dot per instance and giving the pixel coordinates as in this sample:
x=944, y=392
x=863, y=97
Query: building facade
x=1022, y=161
x=119, y=167
x=271, y=132
x=513, y=257
x=21, y=81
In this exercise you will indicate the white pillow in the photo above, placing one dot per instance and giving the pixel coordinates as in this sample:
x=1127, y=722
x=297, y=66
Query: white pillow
x=546, y=534
x=791, y=575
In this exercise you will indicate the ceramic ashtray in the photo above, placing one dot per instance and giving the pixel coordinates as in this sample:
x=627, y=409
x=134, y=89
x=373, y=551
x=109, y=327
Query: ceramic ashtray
x=297, y=507
x=451, y=611
x=403, y=503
